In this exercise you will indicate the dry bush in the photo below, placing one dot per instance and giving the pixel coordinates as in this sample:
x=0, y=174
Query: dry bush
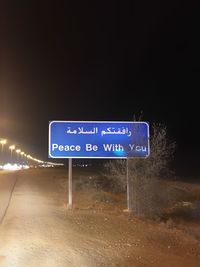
x=149, y=197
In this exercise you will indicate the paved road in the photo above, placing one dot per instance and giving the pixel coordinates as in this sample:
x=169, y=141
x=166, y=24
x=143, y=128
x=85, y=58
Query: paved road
x=7, y=184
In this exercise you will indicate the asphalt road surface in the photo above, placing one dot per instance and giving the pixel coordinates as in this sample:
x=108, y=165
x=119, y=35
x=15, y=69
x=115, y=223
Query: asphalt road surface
x=7, y=185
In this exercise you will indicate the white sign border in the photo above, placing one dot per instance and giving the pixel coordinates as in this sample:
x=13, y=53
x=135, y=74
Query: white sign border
x=54, y=157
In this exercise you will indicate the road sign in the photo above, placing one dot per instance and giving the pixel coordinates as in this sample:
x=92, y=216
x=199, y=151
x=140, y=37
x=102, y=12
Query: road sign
x=98, y=139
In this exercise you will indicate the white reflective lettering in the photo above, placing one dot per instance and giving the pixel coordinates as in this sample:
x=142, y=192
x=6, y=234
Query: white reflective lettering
x=131, y=146
x=66, y=147
x=90, y=147
x=54, y=146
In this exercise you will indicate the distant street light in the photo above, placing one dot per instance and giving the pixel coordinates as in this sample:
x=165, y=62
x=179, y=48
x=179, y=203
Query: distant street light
x=11, y=151
x=18, y=151
x=22, y=154
x=2, y=142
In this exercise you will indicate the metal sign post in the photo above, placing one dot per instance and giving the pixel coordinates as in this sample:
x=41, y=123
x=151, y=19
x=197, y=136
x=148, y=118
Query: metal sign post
x=128, y=186
x=69, y=206
x=129, y=192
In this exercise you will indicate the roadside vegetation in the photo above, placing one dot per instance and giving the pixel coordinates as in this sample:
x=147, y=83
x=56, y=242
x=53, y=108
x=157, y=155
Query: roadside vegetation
x=149, y=195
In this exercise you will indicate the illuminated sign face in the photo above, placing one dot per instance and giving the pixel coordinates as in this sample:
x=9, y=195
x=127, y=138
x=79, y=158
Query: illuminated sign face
x=76, y=139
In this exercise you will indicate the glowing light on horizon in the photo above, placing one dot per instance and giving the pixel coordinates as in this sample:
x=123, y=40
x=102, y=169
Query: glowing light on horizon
x=14, y=167
x=12, y=147
x=26, y=156
x=3, y=141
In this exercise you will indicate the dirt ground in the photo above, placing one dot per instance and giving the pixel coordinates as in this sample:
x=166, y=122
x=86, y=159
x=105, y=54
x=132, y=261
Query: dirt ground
x=37, y=229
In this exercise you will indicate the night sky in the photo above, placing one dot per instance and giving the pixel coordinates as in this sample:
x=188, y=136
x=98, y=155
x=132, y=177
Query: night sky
x=81, y=60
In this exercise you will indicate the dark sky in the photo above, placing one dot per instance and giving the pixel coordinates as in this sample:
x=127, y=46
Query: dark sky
x=81, y=60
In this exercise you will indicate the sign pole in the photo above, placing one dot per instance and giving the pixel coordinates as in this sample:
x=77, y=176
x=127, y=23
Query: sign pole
x=128, y=186
x=69, y=206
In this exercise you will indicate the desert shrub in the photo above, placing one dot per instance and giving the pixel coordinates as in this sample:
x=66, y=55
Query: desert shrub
x=116, y=175
x=148, y=196
x=98, y=182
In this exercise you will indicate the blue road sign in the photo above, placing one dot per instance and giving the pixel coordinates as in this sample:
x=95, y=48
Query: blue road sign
x=98, y=139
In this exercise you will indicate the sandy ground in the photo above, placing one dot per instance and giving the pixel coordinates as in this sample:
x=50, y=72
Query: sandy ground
x=38, y=230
